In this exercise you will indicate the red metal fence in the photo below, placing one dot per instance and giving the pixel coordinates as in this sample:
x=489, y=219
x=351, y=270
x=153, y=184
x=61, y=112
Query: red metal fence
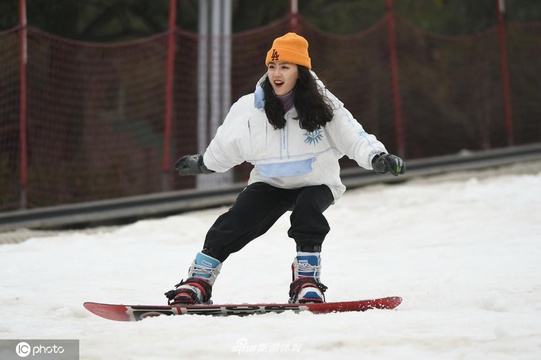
x=86, y=121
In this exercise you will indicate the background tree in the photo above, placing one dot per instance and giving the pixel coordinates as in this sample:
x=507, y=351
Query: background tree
x=117, y=20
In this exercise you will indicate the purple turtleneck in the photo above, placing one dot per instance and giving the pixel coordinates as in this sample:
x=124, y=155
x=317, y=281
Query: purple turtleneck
x=287, y=101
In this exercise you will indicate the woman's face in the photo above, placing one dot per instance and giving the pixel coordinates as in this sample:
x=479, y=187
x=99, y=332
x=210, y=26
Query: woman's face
x=282, y=76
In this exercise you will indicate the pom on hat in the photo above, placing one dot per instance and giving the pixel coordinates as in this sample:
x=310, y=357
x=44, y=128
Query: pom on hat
x=291, y=48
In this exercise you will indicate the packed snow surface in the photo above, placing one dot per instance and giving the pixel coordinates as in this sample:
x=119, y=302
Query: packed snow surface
x=463, y=252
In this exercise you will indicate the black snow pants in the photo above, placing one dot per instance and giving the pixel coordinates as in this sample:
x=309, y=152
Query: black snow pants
x=259, y=206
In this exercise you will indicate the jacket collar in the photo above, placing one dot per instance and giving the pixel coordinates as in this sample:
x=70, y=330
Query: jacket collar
x=259, y=95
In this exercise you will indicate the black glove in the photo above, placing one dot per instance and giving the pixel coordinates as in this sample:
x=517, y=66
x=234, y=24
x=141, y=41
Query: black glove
x=191, y=165
x=385, y=163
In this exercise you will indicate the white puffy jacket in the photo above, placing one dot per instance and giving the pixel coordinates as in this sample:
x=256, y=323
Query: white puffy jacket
x=290, y=157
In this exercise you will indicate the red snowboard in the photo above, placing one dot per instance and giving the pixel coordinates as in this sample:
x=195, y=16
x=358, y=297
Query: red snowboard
x=139, y=312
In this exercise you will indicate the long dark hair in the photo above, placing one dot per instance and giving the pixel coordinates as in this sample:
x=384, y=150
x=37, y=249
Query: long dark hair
x=313, y=108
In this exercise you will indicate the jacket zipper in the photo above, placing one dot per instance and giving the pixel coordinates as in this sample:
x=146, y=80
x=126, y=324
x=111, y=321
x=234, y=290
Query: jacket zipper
x=284, y=143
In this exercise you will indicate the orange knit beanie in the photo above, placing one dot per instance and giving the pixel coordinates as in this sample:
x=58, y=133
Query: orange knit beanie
x=291, y=48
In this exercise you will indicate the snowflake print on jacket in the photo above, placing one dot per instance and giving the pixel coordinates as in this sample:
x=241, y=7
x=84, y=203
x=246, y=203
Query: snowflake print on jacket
x=313, y=137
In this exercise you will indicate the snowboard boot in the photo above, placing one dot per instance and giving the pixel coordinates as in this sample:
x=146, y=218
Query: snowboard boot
x=306, y=287
x=197, y=288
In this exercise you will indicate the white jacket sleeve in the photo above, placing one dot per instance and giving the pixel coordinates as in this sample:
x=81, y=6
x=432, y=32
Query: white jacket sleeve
x=225, y=149
x=350, y=138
